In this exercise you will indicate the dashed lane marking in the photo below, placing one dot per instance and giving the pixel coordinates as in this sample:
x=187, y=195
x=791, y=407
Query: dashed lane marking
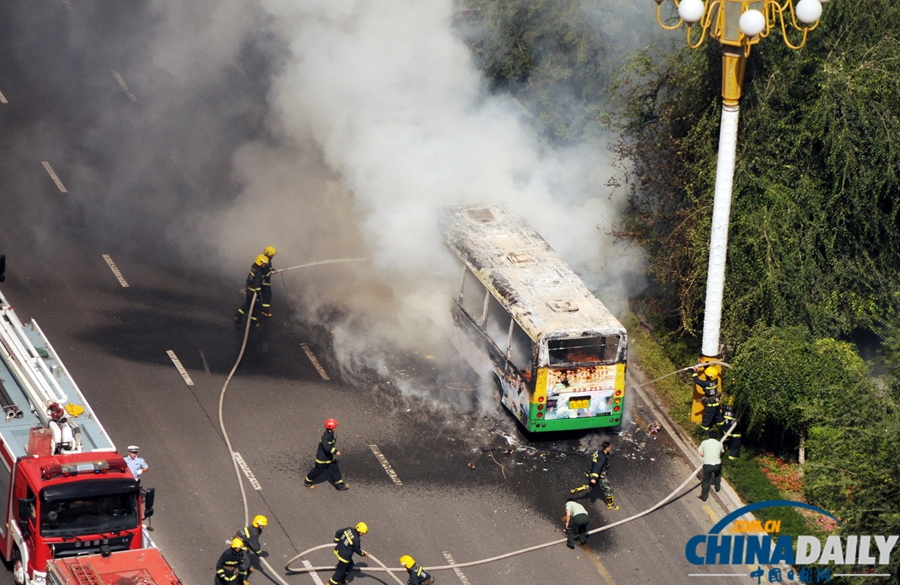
x=711, y=513
x=384, y=463
x=115, y=271
x=52, y=173
x=123, y=85
x=312, y=574
x=3, y=98
x=458, y=572
x=598, y=565
x=314, y=361
x=247, y=472
x=181, y=370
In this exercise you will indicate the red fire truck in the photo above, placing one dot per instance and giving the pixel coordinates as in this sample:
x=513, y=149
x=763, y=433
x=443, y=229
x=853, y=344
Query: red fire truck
x=66, y=491
x=146, y=567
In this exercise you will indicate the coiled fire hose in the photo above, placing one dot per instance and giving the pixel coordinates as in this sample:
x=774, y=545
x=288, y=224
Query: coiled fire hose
x=381, y=566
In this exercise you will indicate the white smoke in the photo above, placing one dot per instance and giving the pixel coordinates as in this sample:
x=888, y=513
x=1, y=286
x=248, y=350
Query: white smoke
x=381, y=119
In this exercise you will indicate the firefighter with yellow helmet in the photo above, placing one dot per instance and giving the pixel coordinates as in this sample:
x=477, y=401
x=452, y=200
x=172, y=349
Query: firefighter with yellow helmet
x=417, y=575
x=249, y=535
x=231, y=568
x=266, y=310
x=254, y=286
x=347, y=542
x=708, y=379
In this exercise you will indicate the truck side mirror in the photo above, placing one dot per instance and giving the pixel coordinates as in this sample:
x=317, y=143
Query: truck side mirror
x=148, y=496
x=24, y=515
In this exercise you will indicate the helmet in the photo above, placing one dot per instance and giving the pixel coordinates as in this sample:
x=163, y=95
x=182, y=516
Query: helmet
x=407, y=561
x=133, y=448
x=237, y=543
x=331, y=424
x=712, y=372
x=262, y=260
x=362, y=528
x=260, y=521
x=270, y=251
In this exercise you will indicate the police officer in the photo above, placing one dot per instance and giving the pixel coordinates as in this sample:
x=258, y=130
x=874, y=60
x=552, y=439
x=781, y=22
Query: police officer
x=731, y=417
x=348, y=541
x=254, y=284
x=136, y=464
x=267, y=283
x=709, y=385
x=417, y=575
x=231, y=568
x=597, y=477
x=325, y=459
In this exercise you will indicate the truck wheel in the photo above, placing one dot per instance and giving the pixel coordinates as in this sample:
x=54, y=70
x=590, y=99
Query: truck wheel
x=18, y=567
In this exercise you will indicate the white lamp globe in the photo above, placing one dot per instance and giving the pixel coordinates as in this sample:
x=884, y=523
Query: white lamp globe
x=691, y=11
x=753, y=22
x=808, y=11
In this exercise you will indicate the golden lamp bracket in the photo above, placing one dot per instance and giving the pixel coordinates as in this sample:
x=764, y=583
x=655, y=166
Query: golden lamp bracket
x=721, y=19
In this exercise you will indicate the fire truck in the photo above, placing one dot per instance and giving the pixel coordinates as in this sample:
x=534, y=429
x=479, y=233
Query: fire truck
x=146, y=566
x=66, y=491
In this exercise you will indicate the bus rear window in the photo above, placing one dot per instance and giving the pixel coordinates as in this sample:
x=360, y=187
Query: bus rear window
x=588, y=350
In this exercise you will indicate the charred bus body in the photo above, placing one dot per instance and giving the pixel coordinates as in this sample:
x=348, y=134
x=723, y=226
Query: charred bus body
x=522, y=314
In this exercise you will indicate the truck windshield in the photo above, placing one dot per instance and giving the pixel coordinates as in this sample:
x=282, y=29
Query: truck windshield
x=88, y=512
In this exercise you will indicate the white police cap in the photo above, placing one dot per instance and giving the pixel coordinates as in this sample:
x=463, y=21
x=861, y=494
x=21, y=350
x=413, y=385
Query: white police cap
x=132, y=447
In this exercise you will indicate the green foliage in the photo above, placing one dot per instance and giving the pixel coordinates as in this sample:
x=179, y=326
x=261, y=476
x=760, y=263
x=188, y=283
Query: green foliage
x=814, y=237
x=782, y=378
x=751, y=483
x=555, y=56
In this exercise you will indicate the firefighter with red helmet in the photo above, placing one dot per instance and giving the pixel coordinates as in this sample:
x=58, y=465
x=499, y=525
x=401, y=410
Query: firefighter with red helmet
x=326, y=459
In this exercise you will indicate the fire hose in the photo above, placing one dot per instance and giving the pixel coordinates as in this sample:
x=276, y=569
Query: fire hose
x=382, y=567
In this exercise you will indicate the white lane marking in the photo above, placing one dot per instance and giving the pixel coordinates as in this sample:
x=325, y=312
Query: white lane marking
x=247, y=472
x=458, y=572
x=123, y=85
x=384, y=463
x=52, y=173
x=312, y=574
x=181, y=370
x=115, y=270
x=3, y=98
x=314, y=361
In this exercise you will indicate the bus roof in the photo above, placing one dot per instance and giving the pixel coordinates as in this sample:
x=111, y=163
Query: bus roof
x=540, y=291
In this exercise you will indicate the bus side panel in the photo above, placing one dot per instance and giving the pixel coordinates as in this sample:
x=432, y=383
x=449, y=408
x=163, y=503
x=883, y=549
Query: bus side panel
x=467, y=340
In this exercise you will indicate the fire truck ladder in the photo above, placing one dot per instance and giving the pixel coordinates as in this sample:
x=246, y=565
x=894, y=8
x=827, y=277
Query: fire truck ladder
x=26, y=363
x=86, y=574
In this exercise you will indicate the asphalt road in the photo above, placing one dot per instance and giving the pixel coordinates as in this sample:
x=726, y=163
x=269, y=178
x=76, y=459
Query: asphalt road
x=470, y=484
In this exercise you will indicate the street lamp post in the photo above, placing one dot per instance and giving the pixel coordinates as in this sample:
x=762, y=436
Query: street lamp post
x=737, y=25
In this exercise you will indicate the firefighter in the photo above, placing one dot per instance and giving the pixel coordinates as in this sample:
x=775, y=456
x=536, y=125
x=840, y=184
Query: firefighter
x=709, y=384
x=417, y=575
x=231, y=568
x=325, y=459
x=348, y=541
x=734, y=443
x=597, y=477
x=249, y=535
x=254, y=284
x=266, y=310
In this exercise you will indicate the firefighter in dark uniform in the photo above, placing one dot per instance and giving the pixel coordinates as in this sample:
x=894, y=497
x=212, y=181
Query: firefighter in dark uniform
x=597, y=480
x=712, y=398
x=267, y=283
x=231, y=568
x=254, y=284
x=731, y=418
x=348, y=542
x=417, y=575
x=249, y=535
x=325, y=459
